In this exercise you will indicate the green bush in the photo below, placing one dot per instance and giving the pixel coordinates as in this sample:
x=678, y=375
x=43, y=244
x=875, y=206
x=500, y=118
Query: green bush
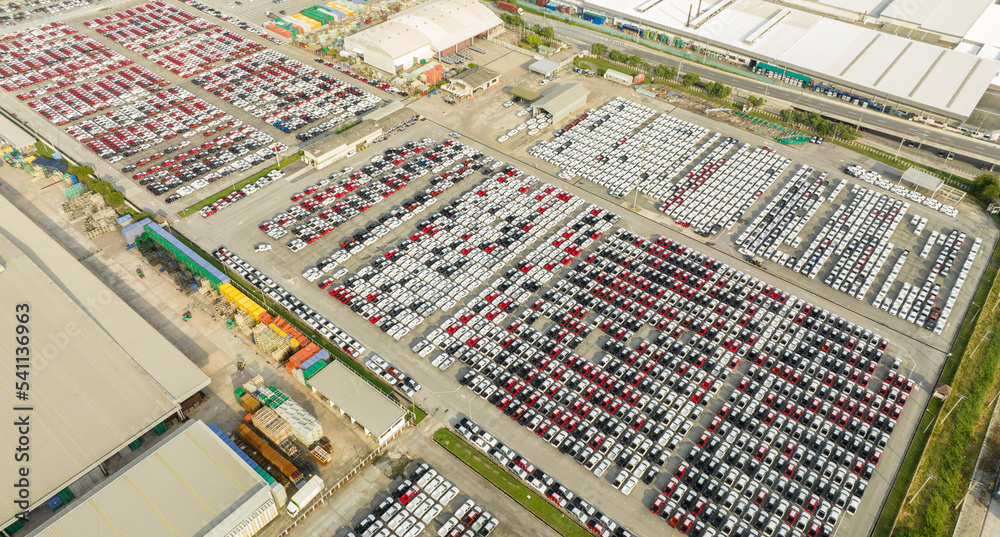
x=598, y=49
x=690, y=79
x=986, y=186
x=115, y=198
x=663, y=71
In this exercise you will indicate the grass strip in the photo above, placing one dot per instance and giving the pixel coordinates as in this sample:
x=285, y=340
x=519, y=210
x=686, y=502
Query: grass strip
x=418, y=414
x=238, y=185
x=510, y=485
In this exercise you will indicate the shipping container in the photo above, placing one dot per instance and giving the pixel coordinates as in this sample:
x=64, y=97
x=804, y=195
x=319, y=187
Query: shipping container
x=637, y=79
x=280, y=31
x=286, y=468
x=306, y=494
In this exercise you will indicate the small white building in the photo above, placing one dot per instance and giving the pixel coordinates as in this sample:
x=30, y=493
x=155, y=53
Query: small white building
x=379, y=416
x=618, y=76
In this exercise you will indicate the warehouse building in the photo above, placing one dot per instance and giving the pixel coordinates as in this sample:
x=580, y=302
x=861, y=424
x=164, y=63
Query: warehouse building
x=334, y=147
x=472, y=82
x=360, y=401
x=190, y=485
x=561, y=101
x=13, y=136
x=433, y=29
x=808, y=48
x=544, y=67
x=101, y=375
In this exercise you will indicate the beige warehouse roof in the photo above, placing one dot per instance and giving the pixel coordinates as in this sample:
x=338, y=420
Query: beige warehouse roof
x=184, y=487
x=358, y=399
x=439, y=24
x=13, y=134
x=100, y=375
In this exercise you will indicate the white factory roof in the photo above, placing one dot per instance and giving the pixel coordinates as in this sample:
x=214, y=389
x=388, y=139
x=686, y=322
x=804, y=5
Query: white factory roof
x=358, y=399
x=919, y=75
x=948, y=17
x=437, y=23
x=184, y=487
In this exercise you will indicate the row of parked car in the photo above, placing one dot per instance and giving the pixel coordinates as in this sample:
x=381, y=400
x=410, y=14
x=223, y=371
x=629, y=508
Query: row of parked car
x=624, y=146
x=875, y=178
x=784, y=217
x=749, y=319
x=197, y=53
x=148, y=26
x=242, y=24
x=392, y=374
x=455, y=250
x=239, y=194
x=414, y=504
x=917, y=304
x=557, y=493
x=53, y=53
x=344, y=195
x=266, y=285
x=286, y=93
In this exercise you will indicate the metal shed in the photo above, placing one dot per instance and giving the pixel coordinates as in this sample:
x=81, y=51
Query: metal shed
x=563, y=101
x=543, y=67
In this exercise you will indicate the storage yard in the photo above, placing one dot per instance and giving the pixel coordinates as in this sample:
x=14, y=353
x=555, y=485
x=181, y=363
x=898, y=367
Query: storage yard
x=626, y=305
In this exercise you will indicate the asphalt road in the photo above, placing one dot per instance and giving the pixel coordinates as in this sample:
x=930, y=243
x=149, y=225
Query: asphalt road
x=979, y=151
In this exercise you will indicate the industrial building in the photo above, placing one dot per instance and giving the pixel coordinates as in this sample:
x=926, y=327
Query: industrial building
x=334, y=147
x=12, y=135
x=433, y=29
x=190, y=485
x=472, y=82
x=360, y=401
x=561, y=101
x=101, y=376
x=910, y=68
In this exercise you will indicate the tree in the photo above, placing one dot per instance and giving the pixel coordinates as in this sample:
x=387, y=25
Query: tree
x=986, y=186
x=617, y=56
x=512, y=20
x=116, y=198
x=787, y=115
x=598, y=49
x=755, y=101
x=690, y=79
x=718, y=90
x=101, y=187
x=547, y=32
x=662, y=71
x=634, y=59
x=533, y=40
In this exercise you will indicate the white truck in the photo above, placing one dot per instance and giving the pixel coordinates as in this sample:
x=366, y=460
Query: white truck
x=306, y=494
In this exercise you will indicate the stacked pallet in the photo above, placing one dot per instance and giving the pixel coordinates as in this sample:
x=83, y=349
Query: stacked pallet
x=81, y=206
x=271, y=343
x=268, y=422
x=321, y=455
x=305, y=427
x=245, y=323
x=102, y=220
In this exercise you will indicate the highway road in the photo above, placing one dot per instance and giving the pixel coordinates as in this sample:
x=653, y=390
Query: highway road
x=976, y=152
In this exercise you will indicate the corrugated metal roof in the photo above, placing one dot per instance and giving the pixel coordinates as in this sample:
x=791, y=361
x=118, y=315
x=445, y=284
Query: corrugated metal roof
x=13, y=134
x=186, y=486
x=93, y=391
x=166, y=365
x=565, y=99
x=360, y=400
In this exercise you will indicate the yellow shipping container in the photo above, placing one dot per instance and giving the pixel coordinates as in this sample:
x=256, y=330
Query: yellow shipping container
x=281, y=333
x=347, y=12
x=312, y=23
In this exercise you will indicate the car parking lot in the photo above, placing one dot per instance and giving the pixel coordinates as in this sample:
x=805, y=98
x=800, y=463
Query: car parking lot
x=421, y=504
x=554, y=325
x=141, y=110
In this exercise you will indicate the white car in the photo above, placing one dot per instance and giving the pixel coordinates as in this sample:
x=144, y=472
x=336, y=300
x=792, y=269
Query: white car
x=340, y=273
x=502, y=138
x=262, y=247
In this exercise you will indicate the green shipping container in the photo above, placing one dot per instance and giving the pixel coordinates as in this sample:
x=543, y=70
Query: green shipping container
x=239, y=393
x=14, y=528
x=160, y=428
x=135, y=445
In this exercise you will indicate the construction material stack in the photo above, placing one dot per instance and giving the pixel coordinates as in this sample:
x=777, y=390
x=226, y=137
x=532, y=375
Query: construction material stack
x=305, y=427
x=273, y=426
x=281, y=464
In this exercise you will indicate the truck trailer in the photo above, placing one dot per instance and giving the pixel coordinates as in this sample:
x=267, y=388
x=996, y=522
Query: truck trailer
x=306, y=494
